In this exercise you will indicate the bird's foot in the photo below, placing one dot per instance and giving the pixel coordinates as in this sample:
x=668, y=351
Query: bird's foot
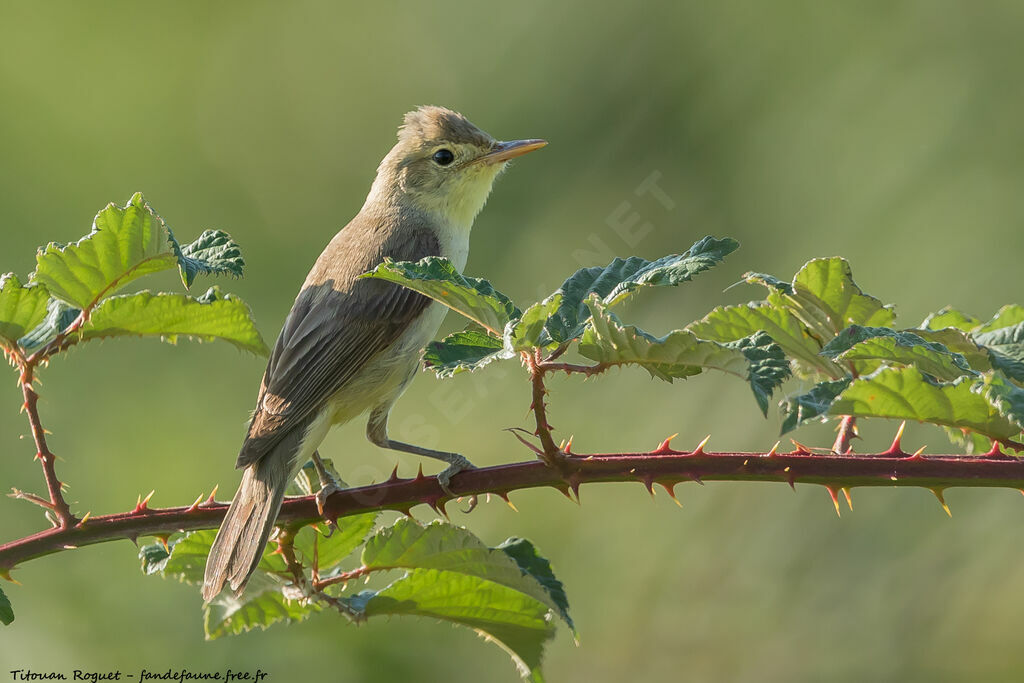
x=456, y=464
x=327, y=488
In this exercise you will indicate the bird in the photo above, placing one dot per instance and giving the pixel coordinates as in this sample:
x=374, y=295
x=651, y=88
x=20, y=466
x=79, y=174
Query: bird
x=350, y=345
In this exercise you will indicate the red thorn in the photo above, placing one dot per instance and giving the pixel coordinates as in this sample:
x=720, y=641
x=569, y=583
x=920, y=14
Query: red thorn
x=670, y=489
x=195, y=505
x=790, y=478
x=665, y=448
x=419, y=474
x=438, y=505
x=996, y=451
x=210, y=501
x=394, y=476
x=564, y=488
x=142, y=504
x=834, y=495
x=699, y=450
x=775, y=450
x=648, y=482
x=504, y=497
x=800, y=449
x=574, y=484
x=568, y=445
x=942, y=500
x=895, y=451
x=849, y=501
x=917, y=454
x=163, y=538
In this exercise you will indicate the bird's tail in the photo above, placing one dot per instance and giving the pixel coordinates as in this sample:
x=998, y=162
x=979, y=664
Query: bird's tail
x=242, y=536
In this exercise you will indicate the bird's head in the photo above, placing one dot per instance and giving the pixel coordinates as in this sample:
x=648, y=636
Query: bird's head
x=444, y=165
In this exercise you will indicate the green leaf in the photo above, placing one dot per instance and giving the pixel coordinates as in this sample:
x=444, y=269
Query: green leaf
x=1005, y=346
x=59, y=316
x=728, y=323
x=329, y=550
x=126, y=243
x=620, y=278
x=1005, y=396
x=6, y=609
x=517, y=623
x=681, y=353
x=438, y=279
x=826, y=299
x=213, y=253
x=187, y=561
x=262, y=605
x=907, y=394
x=884, y=345
x=528, y=332
x=154, y=557
x=950, y=317
x=812, y=404
x=1011, y=315
x=958, y=341
x=170, y=316
x=461, y=351
x=972, y=442
x=21, y=309
x=530, y=562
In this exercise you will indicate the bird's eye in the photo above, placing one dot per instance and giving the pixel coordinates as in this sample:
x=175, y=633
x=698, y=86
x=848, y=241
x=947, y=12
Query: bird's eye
x=443, y=157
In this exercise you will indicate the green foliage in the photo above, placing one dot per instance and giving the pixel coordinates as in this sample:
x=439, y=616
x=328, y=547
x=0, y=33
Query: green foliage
x=467, y=350
x=72, y=292
x=6, y=610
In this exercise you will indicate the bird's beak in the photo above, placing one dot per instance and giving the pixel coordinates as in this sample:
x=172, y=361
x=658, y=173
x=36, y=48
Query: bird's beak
x=503, y=151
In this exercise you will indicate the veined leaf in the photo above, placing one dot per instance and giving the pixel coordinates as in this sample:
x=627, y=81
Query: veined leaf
x=530, y=562
x=1005, y=346
x=59, y=316
x=728, y=323
x=860, y=344
x=825, y=297
x=169, y=316
x=950, y=317
x=907, y=394
x=620, y=278
x=461, y=351
x=312, y=543
x=682, y=354
x=261, y=606
x=1004, y=395
x=529, y=331
x=6, y=610
x=958, y=341
x=812, y=404
x=126, y=243
x=21, y=309
x=438, y=279
x=1011, y=315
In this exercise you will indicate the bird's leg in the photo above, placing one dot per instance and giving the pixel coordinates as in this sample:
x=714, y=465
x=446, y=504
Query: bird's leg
x=329, y=482
x=377, y=433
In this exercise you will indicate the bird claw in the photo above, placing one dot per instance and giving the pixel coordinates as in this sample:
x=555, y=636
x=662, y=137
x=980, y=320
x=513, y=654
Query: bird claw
x=327, y=489
x=444, y=479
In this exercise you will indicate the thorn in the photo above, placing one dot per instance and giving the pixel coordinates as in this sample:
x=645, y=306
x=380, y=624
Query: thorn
x=775, y=450
x=849, y=501
x=790, y=478
x=894, y=449
x=438, y=505
x=800, y=449
x=394, y=476
x=85, y=518
x=664, y=448
x=648, y=482
x=574, y=484
x=210, y=501
x=996, y=451
x=195, y=504
x=515, y=432
x=695, y=477
x=917, y=454
x=699, y=450
x=670, y=489
x=942, y=500
x=419, y=474
x=134, y=538
x=568, y=445
x=163, y=538
x=504, y=497
x=142, y=504
x=834, y=495
x=5, y=574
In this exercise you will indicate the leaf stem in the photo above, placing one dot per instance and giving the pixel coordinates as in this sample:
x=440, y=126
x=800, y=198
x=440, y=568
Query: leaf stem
x=59, y=506
x=551, y=455
x=847, y=432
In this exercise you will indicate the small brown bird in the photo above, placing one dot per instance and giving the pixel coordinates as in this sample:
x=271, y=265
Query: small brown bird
x=351, y=345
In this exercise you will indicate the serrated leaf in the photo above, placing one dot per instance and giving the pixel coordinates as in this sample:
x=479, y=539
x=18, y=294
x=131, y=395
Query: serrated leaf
x=187, y=561
x=528, y=332
x=950, y=317
x=1011, y=315
x=6, y=609
x=169, y=316
x=126, y=243
x=518, y=623
x=1005, y=396
x=616, y=281
x=826, y=299
x=331, y=547
x=531, y=562
x=261, y=606
x=729, y=323
x=907, y=394
x=438, y=279
x=154, y=557
x=960, y=342
x=213, y=253
x=461, y=351
x=681, y=353
x=812, y=404
x=59, y=315
x=21, y=309
x=1005, y=346
x=859, y=344
x=769, y=281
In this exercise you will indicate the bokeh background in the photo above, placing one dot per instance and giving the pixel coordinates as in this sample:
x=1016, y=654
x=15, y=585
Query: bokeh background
x=887, y=132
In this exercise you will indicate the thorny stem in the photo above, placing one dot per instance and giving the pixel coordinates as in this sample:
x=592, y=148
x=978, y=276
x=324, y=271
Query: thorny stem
x=550, y=453
x=664, y=466
x=57, y=503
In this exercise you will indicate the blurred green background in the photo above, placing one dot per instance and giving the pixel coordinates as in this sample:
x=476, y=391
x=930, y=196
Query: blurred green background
x=886, y=132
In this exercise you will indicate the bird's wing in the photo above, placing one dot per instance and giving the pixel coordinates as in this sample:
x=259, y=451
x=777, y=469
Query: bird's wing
x=333, y=329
